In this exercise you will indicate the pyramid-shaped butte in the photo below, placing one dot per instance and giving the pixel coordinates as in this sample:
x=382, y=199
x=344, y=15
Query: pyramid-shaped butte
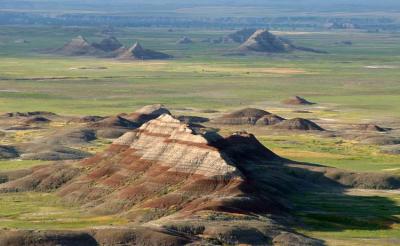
x=264, y=41
x=137, y=52
x=164, y=164
x=165, y=139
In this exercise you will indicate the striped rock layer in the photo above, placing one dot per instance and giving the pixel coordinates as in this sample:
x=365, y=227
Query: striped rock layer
x=164, y=168
x=164, y=165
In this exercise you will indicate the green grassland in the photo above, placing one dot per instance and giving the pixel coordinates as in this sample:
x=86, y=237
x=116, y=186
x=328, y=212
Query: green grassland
x=203, y=76
x=11, y=165
x=45, y=211
x=334, y=152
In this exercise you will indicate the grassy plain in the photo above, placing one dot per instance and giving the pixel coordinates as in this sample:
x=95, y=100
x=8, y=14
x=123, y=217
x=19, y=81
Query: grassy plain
x=45, y=211
x=334, y=152
x=201, y=76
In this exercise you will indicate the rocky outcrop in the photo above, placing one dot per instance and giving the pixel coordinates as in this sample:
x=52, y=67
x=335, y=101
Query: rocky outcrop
x=109, y=48
x=264, y=41
x=79, y=46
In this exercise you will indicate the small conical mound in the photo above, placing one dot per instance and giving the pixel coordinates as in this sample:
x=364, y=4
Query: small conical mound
x=296, y=100
x=298, y=124
x=264, y=41
x=137, y=52
x=115, y=121
x=147, y=113
x=78, y=46
x=108, y=44
x=243, y=116
x=270, y=119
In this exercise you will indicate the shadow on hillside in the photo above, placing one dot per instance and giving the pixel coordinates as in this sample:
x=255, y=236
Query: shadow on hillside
x=326, y=206
x=335, y=211
x=313, y=193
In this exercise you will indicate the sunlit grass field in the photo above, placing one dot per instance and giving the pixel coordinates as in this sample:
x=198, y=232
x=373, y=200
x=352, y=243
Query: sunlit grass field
x=200, y=76
x=34, y=210
x=334, y=152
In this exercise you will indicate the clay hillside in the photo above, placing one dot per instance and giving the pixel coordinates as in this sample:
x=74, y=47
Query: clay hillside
x=180, y=184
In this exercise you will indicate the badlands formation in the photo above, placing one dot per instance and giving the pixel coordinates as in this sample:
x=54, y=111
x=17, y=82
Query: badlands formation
x=266, y=42
x=177, y=183
x=109, y=48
